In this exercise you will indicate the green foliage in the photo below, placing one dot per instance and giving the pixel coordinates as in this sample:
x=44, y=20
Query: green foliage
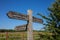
x=53, y=20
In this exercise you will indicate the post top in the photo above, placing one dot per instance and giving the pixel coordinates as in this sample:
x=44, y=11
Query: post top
x=29, y=10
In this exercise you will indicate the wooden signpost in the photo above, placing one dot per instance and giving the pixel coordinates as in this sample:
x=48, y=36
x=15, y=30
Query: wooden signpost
x=29, y=27
x=29, y=18
x=21, y=16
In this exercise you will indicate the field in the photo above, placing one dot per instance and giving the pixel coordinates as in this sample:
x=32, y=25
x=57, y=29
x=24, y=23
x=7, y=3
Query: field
x=17, y=36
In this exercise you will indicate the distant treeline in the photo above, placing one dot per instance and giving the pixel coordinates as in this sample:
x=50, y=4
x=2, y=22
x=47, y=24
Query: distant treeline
x=11, y=30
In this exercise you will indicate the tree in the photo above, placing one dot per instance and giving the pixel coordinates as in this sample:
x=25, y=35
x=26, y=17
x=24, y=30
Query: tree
x=53, y=20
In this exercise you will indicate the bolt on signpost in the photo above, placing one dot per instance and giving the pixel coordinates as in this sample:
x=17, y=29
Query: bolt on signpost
x=29, y=27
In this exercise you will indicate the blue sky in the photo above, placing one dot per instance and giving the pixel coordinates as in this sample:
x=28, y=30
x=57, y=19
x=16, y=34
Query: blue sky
x=21, y=6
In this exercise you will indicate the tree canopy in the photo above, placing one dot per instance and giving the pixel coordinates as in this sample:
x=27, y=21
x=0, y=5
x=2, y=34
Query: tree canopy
x=52, y=24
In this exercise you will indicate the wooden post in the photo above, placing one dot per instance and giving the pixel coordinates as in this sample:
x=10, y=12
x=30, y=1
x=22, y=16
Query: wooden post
x=6, y=35
x=23, y=35
x=29, y=27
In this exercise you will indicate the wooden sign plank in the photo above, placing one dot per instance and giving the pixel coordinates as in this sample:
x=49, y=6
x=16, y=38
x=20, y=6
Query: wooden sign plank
x=20, y=16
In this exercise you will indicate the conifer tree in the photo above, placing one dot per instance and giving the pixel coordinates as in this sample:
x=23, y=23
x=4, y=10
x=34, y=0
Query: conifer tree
x=53, y=20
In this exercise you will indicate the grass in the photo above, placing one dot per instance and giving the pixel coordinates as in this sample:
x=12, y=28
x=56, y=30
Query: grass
x=20, y=35
x=16, y=36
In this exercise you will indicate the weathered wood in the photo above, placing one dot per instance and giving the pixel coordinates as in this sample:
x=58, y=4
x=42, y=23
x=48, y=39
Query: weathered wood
x=20, y=16
x=29, y=27
x=29, y=18
x=6, y=35
x=21, y=28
